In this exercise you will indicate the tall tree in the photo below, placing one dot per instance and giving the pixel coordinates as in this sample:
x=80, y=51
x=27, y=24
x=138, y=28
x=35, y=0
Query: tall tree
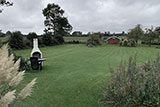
x=5, y=3
x=136, y=33
x=55, y=22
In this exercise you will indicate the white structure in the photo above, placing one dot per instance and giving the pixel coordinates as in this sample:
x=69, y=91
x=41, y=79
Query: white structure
x=36, y=51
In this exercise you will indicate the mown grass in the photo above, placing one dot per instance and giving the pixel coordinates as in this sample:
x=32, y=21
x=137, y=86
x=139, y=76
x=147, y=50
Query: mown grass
x=73, y=74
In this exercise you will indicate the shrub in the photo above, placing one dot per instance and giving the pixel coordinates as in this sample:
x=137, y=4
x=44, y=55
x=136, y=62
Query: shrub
x=132, y=43
x=27, y=43
x=10, y=79
x=47, y=39
x=40, y=42
x=121, y=43
x=59, y=40
x=94, y=40
x=16, y=40
x=31, y=36
x=125, y=42
x=74, y=42
x=135, y=86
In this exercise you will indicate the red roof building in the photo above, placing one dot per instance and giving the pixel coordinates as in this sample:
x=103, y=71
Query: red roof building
x=113, y=40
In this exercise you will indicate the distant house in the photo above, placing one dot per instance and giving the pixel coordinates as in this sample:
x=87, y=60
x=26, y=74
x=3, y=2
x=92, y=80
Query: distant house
x=113, y=40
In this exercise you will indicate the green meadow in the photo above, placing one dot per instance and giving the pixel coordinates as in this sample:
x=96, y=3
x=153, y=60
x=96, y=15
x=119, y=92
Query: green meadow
x=73, y=75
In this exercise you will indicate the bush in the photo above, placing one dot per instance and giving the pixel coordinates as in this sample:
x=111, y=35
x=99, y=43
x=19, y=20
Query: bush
x=73, y=42
x=16, y=40
x=31, y=36
x=47, y=39
x=27, y=43
x=125, y=43
x=135, y=86
x=59, y=40
x=94, y=40
x=132, y=43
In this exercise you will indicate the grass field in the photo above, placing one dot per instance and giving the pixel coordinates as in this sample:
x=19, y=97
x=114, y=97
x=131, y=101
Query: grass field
x=73, y=74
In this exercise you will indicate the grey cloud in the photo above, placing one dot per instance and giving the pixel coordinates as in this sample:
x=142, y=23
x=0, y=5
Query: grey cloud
x=25, y=15
x=84, y=15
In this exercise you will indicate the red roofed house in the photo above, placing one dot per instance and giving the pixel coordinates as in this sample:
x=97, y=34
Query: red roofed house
x=113, y=40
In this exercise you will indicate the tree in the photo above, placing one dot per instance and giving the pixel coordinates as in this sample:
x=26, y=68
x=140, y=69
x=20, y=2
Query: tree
x=136, y=33
x=107, y=33
x=16, y=40
x=157, y=30
x=55, y=22
x=47, y=39
x=5, y=3
x=94, y=40
x=8, y=33
x=77, y=33
x=150, y=35
x=31, y=36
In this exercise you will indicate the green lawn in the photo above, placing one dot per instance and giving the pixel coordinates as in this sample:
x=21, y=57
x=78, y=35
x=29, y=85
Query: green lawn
x=73, y=74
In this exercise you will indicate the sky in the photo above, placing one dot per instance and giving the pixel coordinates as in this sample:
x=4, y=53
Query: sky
x=84, y=15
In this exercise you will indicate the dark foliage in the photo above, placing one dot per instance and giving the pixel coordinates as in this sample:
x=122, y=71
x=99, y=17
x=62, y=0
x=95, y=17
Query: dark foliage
x=77, y=34
x=59, y=40
x=47, y=39
x=31, y=36
x=73, y=42
x=16, y=40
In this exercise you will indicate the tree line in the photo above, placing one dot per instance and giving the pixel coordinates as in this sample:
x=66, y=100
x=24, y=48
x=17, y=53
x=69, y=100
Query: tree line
x=148, y=36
